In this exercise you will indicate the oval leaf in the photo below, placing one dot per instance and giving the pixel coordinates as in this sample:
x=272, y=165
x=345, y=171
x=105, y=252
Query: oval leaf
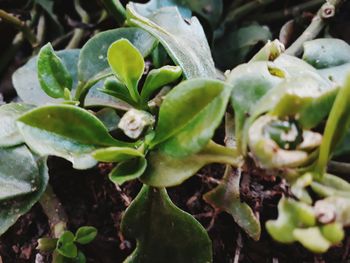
x=127, y=64
x=65, y=245
x=164, y=233
x=85, y=234
x=116, y=154
x=53, y=76
x=128, y=170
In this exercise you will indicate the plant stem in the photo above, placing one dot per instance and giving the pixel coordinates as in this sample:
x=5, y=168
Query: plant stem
x=78, y=32
x=116, y=10
x=237, y=13
x=54, y=211
x=326, y=11
x=289, y=12
x=20, y=25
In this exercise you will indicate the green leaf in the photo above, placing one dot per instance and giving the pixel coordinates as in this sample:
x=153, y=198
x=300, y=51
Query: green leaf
x=250, y=83
x=127, y=64
x=93, y=55
x=166, y=171
x=128, y=170
x=164, y=233
x=18, y=172
x=233, y=48
x=53, y=76
x=157, y=78
x=333, y=232
x=336, y=74
x=70, y=122
x=337, y=124
x=189, y=115
x=116, y=154
x=9, y=134
x=152, y=6
x=109, y=118
x=291, y=215
x=85, y=235
x=12, y=209
x=115, y=88
x=326, y=52
x=80, y=258
x=26, y=83
x=185, y=41
x=65, y=245
x=312, y=239
x=226, y=197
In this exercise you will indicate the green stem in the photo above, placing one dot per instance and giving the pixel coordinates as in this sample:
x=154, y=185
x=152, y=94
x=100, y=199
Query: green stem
x=54, y=211
x=326, y=11
x=116, y=10
x=289, y=12
x=78, y=32
x=240, y=12
x=20, y=25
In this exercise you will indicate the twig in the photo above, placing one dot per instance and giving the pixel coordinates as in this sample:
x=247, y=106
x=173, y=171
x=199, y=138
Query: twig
x=339, y=167
x=289, y=12
x=326, y=11
x=54, y=211
x=20, y=25
x=239, y=245
x=78, y=32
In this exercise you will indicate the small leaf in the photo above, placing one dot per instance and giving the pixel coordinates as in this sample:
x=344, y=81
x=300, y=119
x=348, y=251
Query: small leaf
x=336, y=127
x=333, y=232
x=80, y=258
x=326, y=52
x=127, y=63
x=65, y=245
x=116, y=154
x=157, y=78
x=115, y=88
x=53, y=76
x=226, y=197
x=185, y=42
x=312, y=239
x=9, y=134
x=291, y=215
x=93, y=55
x=189, y=115
x=164, y=233
x=166, y=171
x=47, y=244
x=71, y=122
x=109, y=118
x=128, y=170
x=85, y=234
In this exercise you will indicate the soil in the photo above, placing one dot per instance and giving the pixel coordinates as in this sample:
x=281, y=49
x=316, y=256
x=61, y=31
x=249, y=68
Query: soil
x=89, y=198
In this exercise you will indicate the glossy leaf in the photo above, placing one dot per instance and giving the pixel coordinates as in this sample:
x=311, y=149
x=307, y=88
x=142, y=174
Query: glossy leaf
x=70, y=122
x=116, y=154
x=291, y=215
x=233, y=48
x=66, y=246
x=326, y=52
x=189, y=115
x=53, y=76
x=9, y=134
x=337, y=124
x=93, y=55
x=115, y=88
x=226, y=197
x=312, y=239
x=12, y=209
x=157, y=78
x=85, y=235
x=26, y=83
x=165, y=171
x=18, y=172
x=164, y=233
x=128, y=170
x=185, y=41
x=127, y=64
x=250, y=83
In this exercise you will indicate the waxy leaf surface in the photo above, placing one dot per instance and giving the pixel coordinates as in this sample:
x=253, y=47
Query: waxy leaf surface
x=128, y=170
x=164, y=233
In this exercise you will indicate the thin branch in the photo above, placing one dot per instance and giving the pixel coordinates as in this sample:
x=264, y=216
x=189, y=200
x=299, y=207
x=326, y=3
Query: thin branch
x=20, y=25
x=326, y=11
